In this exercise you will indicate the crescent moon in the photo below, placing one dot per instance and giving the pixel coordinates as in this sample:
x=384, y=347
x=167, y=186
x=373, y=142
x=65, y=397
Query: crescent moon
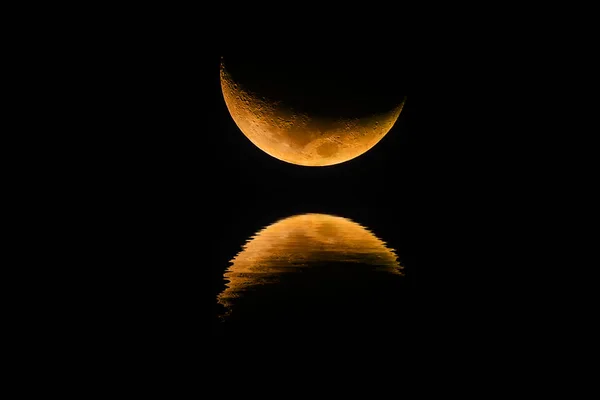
x=297, y=137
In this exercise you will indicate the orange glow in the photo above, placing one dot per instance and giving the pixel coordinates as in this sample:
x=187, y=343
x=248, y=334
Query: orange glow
x=299, y=138
x=296, y=243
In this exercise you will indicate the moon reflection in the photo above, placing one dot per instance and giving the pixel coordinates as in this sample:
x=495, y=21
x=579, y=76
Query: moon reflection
x=317, y=249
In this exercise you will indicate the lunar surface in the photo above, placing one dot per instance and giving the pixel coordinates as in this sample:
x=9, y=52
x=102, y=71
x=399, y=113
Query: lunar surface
x=310, y=247
x=299, y=137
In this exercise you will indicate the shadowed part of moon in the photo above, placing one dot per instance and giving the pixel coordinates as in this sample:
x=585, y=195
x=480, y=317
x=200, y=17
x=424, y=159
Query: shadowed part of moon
x=302, y=244
x=298, y=137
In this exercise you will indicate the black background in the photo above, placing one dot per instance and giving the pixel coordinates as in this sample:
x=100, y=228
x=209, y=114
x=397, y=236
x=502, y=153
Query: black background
x=145, y=184
x=175, y=187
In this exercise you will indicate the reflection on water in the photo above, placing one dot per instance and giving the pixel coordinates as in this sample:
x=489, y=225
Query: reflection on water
x=296, y=260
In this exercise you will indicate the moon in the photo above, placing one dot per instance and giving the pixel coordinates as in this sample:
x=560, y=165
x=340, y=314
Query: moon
x=298, y=137
x=305, y=246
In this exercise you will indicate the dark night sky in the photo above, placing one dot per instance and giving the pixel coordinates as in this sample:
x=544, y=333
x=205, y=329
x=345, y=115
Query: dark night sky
x=165, y=189
x=189, y=188
x=171, y=189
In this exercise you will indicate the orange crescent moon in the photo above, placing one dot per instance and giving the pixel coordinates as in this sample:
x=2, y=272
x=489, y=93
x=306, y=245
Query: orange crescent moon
x=299, y=138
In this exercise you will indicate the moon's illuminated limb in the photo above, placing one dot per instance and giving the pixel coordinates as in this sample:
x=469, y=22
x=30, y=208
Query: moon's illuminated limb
x=301, y=242
x=299, y=138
